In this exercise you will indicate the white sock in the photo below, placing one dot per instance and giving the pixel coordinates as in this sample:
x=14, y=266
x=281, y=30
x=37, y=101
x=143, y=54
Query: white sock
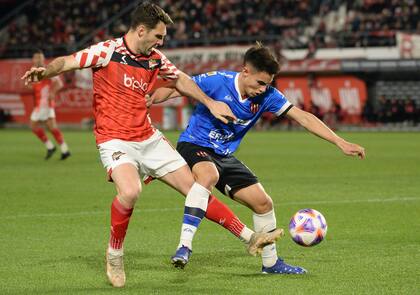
x=195, y=209
x=64, y=148
x=115, y=252
x=245, y=235
x=265, y=223
x=49, y=145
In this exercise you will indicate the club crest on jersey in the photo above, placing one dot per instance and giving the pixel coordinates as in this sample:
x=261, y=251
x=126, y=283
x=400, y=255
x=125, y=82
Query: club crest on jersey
x=117, y=155
x=254, y=107
x=153, y=63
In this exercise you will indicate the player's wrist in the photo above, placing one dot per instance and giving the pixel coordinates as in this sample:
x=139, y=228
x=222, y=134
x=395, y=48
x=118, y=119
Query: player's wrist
x=338, y=141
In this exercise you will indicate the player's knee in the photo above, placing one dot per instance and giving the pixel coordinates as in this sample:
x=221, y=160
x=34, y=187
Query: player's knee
x=208, y=179
x=130, y=193
x=265, y=205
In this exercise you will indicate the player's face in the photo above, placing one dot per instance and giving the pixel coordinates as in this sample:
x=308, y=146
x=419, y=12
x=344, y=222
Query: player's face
x=38, y=59
x=151, y=38
x=255, y=82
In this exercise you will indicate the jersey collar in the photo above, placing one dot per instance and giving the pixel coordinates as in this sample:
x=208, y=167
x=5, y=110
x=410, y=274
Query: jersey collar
x=241, y=98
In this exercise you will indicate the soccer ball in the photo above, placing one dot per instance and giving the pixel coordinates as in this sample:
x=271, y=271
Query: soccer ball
x=308, y=227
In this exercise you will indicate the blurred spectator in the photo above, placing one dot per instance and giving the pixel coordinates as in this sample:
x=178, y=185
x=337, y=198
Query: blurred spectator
x=410, y=111
x=289, y=24
x=4, y=117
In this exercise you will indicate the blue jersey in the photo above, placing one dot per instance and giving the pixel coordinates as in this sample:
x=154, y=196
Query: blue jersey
x=207, y=131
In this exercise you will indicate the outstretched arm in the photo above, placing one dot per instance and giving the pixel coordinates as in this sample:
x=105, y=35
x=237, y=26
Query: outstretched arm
x=57, y=66
x=163, y=94
x=317, y=127
x=187, y=87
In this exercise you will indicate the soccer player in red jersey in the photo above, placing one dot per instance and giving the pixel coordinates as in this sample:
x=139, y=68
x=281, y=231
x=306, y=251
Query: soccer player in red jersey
x=45, y=92
x=124, y=71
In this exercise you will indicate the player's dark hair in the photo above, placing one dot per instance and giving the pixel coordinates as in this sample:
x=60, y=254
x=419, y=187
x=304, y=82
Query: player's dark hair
x=149, y=15
x=262, y=59
x=38, y=51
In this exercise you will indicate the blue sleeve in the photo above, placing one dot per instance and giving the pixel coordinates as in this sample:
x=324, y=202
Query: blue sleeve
x=206, y=81
x=278, y=104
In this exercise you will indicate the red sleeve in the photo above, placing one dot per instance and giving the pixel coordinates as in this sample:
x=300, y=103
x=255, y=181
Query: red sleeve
x=97, y=55
x=167, y=70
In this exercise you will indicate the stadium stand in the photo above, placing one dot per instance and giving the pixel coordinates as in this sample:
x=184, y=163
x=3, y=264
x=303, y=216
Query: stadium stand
x=61, y=27
x=324, y=23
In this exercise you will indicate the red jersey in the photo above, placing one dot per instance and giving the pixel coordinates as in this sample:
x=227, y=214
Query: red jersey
x=42, y=93
x=121, y=79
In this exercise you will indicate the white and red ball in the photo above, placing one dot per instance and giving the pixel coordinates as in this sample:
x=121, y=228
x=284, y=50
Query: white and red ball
x=308, y=227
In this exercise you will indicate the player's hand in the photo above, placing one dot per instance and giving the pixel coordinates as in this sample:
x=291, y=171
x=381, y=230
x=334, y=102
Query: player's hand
x=33, y=75
x=222, y=111
x=149, y=100
x=352, y=149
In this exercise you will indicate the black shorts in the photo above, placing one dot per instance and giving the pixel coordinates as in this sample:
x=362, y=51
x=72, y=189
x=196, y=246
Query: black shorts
x=233, y=174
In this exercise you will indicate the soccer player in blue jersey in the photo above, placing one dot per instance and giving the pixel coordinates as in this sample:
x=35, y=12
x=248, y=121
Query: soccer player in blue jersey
x=208, y=144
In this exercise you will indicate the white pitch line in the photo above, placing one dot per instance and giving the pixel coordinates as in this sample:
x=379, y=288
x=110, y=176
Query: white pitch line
x=151, y=210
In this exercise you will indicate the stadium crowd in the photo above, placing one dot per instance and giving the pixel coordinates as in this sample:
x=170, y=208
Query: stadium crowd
x=60, y=27
x=295, y=24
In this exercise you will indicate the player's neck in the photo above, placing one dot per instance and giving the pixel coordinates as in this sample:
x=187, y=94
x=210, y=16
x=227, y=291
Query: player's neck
x=241, y=87
x=130, y=40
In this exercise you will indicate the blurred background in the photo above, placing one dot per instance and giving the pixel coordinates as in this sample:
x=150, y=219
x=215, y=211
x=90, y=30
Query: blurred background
x=354, y=64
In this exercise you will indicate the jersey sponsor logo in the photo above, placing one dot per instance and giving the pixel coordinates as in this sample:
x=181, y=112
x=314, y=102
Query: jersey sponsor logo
x=221, y=135
x=242, y=122
x=134, y=84
x=117, y=155
x=211, y=73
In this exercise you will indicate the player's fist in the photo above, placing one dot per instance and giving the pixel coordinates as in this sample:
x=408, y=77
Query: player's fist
x=33, y=75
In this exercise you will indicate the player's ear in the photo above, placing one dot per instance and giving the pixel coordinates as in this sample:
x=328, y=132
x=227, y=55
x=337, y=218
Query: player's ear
x=141, y=30
x=245, y=70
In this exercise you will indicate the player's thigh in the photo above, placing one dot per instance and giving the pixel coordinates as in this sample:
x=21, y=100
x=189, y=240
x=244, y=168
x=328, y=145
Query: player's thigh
x=234, y=175
x=180, y=179
x=255, y=198
x=127, y=180
x=206, y=174
x=34, y=124
x=51, y=123
x=200, y=160
x=118, y=155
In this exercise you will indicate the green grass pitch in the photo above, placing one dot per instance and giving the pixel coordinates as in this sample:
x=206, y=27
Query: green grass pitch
x=55, y=221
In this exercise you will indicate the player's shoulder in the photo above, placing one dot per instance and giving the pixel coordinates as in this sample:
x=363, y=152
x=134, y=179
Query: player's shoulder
x=217, y=75
x=274, y=93
x=157, y=54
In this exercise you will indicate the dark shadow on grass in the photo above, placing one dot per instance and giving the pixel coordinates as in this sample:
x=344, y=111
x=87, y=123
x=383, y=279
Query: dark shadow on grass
x=140, y=266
